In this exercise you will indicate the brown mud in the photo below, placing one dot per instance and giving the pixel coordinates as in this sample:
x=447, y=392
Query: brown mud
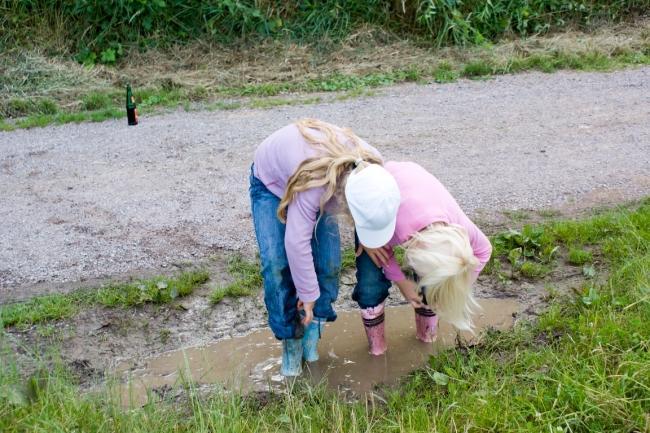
x=252, y=362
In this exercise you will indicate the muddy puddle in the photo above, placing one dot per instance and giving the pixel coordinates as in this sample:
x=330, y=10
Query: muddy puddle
x=252, y=362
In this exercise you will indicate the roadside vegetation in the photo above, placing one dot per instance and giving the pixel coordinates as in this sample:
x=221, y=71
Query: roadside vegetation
x=157, y=290
x=582, y=366
x=69, y=61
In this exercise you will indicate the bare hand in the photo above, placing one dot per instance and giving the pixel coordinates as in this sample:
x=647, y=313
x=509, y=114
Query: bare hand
x=416, y=302
x=379, y=256
x=409, y=290
x=308, y=308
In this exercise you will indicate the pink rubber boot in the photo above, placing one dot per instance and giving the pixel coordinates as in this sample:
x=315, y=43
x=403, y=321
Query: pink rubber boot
x=426, y=325
x=373, y=321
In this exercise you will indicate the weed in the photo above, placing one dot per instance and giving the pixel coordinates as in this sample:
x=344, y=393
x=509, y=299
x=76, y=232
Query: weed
x=529, y=243
x=23, y=107
x=248, y=280
x=533, y=270
x=579, y=257
x=156, y=290
x=445, y=73
x=35, y=121
x=517, y=215
x=164, y=335
x=41, y=309
x=4, y=126
x=477, y=68
x=96, y=101
x=348, y=259
x=549, y=213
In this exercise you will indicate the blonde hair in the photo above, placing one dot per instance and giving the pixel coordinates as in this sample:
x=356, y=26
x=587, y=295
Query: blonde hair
x=441, y=255
x=330, y=168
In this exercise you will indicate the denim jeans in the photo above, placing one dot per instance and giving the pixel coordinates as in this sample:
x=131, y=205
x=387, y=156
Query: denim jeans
x=279, y=291
x=372, y=285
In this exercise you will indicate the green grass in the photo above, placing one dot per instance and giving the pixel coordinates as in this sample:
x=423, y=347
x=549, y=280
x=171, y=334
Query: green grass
x=477, y=68
x=61, y=306
x=579, y=257
x=96, y=101
x=104, y=33
x=533, y=270
x=517, y=215
x=583, y=366
x=248, y=280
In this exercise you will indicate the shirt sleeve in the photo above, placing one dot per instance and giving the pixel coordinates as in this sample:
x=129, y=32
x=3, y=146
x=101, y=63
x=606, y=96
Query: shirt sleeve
x=301, y=220
x=392, y=270
x=481, y=246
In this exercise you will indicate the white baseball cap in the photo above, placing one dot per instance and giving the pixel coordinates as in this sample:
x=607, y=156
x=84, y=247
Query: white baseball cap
x=373, y=198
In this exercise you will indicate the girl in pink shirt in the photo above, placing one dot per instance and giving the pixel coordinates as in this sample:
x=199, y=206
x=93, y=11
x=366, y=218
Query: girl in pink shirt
x=442, y=245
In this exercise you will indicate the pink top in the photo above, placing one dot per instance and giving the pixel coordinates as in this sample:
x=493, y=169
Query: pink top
x=424, y=201
x=275, y=161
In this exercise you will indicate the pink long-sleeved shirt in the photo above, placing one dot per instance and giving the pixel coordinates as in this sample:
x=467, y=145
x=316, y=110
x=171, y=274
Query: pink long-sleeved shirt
x=424, y=201
x=275, y=161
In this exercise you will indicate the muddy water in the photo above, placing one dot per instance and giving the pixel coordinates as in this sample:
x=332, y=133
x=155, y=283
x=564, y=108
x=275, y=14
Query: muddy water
x=252, y=362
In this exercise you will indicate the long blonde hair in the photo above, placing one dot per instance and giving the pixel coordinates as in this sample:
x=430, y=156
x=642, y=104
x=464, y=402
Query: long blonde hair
x=330, y=168
x=441, y=255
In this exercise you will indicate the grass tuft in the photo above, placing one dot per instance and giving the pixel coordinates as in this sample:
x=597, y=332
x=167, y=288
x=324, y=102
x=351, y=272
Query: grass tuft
x=248, y=280
x=61, y=306
x=533, y=270
x=579, y=257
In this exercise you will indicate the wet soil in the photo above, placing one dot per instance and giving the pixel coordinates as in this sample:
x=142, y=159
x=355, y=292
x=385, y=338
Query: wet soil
x=252, y=362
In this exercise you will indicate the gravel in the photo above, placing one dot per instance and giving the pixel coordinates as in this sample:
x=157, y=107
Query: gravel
x=97, y=200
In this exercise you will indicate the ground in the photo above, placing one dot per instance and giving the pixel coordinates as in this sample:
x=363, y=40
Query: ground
x=83, y=203
x=94, y=202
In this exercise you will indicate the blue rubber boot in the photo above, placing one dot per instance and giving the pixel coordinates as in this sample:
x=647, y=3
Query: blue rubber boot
x=291, y=357
x=313, y=333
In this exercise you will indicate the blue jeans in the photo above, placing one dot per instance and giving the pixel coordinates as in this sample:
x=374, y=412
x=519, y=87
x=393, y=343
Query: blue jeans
x=279, y=291
x=372, y=285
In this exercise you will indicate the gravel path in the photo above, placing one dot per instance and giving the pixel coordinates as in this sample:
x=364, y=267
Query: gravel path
x=98, y=200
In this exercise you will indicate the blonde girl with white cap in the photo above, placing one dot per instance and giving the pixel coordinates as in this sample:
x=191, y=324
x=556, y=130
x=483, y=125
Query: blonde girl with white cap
x=442, y=245
x=297, y=180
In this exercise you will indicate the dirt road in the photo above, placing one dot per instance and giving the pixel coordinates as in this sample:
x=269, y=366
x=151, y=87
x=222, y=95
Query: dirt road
x=99, y=200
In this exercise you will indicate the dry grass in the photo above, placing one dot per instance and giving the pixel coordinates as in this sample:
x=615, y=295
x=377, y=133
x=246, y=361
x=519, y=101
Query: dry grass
x=213, y=68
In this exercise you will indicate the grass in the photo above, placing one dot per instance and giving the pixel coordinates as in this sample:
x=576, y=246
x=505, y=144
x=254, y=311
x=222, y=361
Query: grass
x=533, y=270
x=58, y=91
x=579, y=257
x=107, y=32
x=61, y=306
x=248, y=280
x=583, y=366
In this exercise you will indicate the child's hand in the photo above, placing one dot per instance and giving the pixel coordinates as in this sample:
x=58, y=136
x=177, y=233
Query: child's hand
x=308, y=308
x=416, y=302
x=379, y=256
x=410, y=293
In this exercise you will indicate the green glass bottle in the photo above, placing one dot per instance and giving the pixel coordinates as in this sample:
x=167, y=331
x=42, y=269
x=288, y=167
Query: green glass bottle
x=131, y=110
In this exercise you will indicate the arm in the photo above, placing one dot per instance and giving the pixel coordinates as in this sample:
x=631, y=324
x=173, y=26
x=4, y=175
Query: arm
x=409, y=290
x=481, y=246
x=301, y=220
x=393, y=272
